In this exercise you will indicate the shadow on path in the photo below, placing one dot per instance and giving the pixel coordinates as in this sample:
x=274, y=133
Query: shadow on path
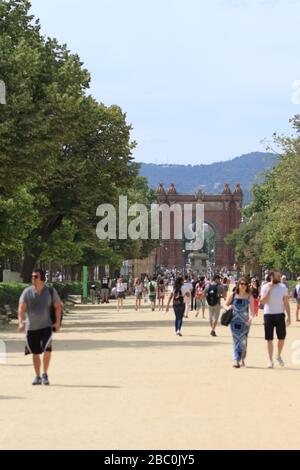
x=108, y=387
x=105, y=326
x=16, y=365
x=88, y=344
x=11, y=398
x=282, y=369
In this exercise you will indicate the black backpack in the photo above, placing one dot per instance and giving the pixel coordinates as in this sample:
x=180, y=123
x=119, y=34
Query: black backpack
x=52, y=309
x=212, y=296
x=295, y=294
x=178, y=298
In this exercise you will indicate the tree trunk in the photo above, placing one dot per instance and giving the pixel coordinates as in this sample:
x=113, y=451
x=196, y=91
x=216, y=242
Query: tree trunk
x=29, y=264
x=1, y=269
x=32, y=255
x=91, y=274
x=73, y=273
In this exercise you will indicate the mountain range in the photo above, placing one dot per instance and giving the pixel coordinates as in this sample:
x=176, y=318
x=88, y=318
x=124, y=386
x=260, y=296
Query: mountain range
x=246, y=170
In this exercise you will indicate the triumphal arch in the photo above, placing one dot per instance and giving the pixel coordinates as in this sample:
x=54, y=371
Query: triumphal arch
x=222, y=212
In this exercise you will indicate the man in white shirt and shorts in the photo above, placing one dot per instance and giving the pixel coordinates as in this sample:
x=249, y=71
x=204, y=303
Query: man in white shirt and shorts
x=275, y=298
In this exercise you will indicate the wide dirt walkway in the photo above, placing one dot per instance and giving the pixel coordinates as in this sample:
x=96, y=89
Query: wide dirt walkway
x=124, y=381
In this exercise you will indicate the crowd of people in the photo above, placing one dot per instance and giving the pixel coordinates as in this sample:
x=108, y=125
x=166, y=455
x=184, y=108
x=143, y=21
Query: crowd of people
x=243, y=303
x=244, y=299
x=40, y=309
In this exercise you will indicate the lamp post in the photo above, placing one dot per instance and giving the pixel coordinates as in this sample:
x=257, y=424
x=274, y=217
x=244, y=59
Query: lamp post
x=212, y=262
x=184, y=263
x=85, y=285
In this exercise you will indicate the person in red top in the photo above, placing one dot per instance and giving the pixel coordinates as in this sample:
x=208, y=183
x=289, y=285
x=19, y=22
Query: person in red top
x=200, y=297
x=255, y=292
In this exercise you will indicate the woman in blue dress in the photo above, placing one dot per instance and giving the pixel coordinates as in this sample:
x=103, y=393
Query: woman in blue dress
x=241, y=302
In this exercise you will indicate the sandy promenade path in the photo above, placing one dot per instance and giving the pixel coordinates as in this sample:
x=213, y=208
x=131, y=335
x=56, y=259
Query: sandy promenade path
x=125, y=381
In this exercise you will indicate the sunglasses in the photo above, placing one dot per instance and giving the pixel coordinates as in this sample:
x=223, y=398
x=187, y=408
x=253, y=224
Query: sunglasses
x=243, y=284
x=35, y=276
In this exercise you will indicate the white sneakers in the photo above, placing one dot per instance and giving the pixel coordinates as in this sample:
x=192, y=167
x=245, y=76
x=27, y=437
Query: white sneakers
x=280, y=362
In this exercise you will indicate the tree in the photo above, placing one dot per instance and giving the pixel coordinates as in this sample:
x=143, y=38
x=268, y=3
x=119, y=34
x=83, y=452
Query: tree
x=74, y=152
x=62, y=247
x=247, y=242
x=210, y=244
x=45, y=84
x=72, y=245
x=17, y=219
x=270, y=233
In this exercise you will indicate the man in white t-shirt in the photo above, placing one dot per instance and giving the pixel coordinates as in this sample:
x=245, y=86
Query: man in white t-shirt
x=275, y=298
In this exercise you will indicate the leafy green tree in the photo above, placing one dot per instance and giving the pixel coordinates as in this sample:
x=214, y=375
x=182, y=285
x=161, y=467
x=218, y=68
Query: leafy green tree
x=210, y=244
x=77, y=152
x=247, y=242
x=270, y=234
x=17, y=218
x=62, y=247
x=45, y=85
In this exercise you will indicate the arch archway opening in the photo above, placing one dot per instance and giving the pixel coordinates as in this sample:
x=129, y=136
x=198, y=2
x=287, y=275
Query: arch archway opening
x=203, y=262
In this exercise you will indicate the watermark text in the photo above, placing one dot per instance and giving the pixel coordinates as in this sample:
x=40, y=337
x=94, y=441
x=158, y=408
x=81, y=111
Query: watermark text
x=160, y=222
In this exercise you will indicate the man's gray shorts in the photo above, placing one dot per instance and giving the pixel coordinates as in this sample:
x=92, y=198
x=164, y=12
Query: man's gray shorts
x=214, y=313
x=105, y=294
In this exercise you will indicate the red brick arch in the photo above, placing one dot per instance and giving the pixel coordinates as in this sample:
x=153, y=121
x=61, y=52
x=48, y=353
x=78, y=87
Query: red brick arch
x=222, y=212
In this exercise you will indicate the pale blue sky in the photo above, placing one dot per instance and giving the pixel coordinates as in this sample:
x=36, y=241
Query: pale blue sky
x=200, y=80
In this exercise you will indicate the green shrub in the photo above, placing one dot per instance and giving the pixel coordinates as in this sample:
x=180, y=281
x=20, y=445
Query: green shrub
x=10, y=294
x=292, y=285
x=69, y=288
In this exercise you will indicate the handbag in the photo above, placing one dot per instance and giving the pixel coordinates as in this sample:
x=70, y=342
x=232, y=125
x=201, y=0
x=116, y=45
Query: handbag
x=227, y=317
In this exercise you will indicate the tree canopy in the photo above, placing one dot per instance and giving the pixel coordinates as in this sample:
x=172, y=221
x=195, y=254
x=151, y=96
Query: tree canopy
x=61, y=152
x=270, y=234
